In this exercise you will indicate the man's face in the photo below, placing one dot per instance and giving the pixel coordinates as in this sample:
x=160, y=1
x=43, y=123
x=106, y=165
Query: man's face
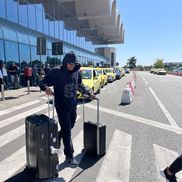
x=70, y=66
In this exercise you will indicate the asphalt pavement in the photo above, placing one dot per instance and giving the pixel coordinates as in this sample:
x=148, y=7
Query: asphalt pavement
x=142, y=137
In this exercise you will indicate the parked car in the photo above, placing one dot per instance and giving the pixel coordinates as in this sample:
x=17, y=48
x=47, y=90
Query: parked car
x=103, y=75
x=161, y=71
x=111, y=74
x=122, y=72
x=179, y=70
x=90, y=79
x=152, y=70
x=127, y=70
x=118, y=72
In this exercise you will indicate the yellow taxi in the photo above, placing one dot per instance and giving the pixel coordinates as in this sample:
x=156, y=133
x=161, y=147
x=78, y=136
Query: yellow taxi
x=90, y=79
x=103, y=76
x=122, y=71
x=111, y=74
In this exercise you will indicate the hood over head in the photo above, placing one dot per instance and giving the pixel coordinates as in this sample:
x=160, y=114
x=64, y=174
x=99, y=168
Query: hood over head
x=71, y=58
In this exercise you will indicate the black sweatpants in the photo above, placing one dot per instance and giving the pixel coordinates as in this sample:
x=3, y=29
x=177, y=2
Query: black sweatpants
x=66, y=120
x=176, y=166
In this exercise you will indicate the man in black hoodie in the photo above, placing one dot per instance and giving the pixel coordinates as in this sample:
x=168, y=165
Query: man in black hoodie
x=66, y=80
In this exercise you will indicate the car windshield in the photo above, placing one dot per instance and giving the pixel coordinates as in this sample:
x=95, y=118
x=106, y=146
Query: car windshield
x=108, y=71
x=86, y=74
x=117, y=69
x=100, y=72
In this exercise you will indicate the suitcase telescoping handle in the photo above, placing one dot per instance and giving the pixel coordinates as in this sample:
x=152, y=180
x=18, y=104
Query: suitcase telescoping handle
x=53, y=104
x=85, y=96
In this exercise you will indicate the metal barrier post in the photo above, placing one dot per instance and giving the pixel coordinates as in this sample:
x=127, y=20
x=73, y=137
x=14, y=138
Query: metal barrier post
x=28, y=86
x=2, y=92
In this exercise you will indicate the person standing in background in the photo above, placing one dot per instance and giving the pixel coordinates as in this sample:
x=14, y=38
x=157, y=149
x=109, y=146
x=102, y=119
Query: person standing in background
x=5, y=76
x=1, y=75
x=47, y=69
x=35, y=75
x=14, y=70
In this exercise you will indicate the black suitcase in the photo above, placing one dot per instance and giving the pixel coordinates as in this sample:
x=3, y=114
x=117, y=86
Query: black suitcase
x=94, y=135
x=41, y=136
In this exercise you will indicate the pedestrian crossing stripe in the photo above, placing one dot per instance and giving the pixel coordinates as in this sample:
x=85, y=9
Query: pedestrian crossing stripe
x=12, y=164
x=22, y=115
x=116, y=164
x=12, y=135
x=15, y=108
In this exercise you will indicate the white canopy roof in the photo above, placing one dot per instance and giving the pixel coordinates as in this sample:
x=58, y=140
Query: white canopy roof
x=97, y=20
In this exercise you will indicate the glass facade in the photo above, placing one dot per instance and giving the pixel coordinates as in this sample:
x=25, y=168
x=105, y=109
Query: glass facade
x=11, y=53
x=2, y=50
x=20, y=25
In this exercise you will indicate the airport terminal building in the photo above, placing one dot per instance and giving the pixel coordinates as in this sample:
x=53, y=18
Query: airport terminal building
x=85, y=27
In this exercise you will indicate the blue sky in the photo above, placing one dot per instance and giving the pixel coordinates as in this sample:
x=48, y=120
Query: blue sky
x=153, y=29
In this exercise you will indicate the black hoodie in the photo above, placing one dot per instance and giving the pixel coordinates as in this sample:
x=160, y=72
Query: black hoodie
x=65, y=83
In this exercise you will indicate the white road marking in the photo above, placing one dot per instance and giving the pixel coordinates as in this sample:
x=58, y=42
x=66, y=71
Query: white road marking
x=45, y=98
x=165, y=111
x=163, y=158
x=146, y=83
x=6, y=111
x=11, y=135
x=12, y=164
x=116, y=164
x=138, y=119
x=22, y=115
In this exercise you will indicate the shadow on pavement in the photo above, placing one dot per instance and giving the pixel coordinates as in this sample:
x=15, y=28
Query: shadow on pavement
x=23, y=176
x=29, y=176
x=88, y=161
x=32, y=90
x=11, y=98
x=26, y=175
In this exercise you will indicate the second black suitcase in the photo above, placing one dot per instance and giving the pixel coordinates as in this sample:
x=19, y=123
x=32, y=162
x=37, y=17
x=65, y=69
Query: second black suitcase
x=94, y=136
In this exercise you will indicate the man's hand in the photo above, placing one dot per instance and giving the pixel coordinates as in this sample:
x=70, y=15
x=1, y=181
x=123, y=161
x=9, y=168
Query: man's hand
x=92, y=97
x=48, y=91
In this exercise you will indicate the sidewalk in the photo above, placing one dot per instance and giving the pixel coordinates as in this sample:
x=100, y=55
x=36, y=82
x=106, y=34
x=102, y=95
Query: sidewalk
x=19, y=96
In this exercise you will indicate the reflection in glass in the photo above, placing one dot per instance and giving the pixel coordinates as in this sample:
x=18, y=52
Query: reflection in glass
x=23, y=14
x=33, y=39
x=86, y=74
x=1, y=34
x=57, y=29
x=53, y=60
x=24, y=55
x=1, y=51
x=11, y=52
x=34, y=55
x=9, y=33
x=31, y=16
x=2, y=9
x=61, y=34
x=12, y=14
x=39, y=17
x=65, y=35
x=22, y=37
x=46, y=26
x=52, y=28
